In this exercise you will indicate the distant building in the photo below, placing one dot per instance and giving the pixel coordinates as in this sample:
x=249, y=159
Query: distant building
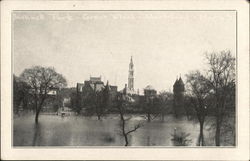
x=149, y=91
x=52, y=102
x=50, y=92
x=112, y=92
x=149, y=94
x=94, y=84
x=127, y=94
x=79, y=87
x=179, y=89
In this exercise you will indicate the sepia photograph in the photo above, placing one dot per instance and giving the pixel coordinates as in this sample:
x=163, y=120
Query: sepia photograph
x=125, y=80
x=137, y=78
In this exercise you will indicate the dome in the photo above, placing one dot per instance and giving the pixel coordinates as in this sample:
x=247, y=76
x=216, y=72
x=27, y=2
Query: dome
x=149, y=87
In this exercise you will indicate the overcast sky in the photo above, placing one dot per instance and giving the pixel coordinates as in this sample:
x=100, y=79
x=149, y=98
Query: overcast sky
x=80, y=44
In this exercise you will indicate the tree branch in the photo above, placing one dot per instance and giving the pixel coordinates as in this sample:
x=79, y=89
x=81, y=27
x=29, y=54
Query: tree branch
x=135, y=128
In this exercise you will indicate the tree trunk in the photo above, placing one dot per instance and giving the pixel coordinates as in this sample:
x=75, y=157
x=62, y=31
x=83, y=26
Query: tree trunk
x=123, y=131
x=201, y=137
x=38, y=109
x=36, y=135
x=126, y=140
x=37, y=115
x=123, y=127
x=99, y=117
x=217, y=134
x=219, y=107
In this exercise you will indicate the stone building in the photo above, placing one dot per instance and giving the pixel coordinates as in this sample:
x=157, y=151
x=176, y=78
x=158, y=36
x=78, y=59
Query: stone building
x=95, y=84
x=91, y=86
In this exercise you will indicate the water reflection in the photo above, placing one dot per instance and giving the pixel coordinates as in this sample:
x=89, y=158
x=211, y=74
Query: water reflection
x=88, y=131
x=37, y=134
x=148, y=141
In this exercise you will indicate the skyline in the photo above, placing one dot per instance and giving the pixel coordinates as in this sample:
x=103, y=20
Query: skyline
x=80, y=44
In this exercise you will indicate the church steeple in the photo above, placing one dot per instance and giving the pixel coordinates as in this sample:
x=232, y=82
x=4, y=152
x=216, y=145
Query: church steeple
x=131, y=64
x=131, y=75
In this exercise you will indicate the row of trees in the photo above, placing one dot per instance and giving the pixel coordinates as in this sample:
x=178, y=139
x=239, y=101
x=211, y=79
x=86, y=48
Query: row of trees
x=213, y=88
x=99, y=103
x=209, y=91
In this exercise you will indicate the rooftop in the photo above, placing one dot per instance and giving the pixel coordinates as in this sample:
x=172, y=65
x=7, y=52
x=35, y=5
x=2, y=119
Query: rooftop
x=149, y=87
x=95, y=79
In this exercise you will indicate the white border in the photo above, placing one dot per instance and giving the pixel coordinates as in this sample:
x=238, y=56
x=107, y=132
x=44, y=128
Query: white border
x=241, y=152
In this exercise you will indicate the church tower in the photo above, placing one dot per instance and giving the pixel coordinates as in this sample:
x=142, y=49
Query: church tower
x=131, y=75
x=179, y=90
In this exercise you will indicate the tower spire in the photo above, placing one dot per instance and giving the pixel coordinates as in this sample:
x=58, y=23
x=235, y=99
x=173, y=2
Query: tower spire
x=131, y=75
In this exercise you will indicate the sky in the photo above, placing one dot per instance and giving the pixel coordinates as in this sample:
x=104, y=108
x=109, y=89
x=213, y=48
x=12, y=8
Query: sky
x=80, y=44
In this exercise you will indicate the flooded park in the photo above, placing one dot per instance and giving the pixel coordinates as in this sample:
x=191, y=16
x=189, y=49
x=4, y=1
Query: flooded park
x=119, y=89
x=53, y=130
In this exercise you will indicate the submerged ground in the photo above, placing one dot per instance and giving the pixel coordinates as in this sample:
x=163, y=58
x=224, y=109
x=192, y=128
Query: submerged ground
x=54, y=130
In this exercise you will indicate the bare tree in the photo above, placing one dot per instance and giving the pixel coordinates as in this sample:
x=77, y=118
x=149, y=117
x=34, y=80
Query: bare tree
x=42, y=80
x=221, y=78
x=96, y=101
x=165, y=103
x=149, y=105
x=122, y=103
x=152, y=107
x=198, y=90
x=104, y=101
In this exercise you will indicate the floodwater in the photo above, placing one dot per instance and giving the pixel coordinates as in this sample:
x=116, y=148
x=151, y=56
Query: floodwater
x=53, y=130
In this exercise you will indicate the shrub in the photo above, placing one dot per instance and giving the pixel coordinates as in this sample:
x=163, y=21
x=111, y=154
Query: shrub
x=180, y=138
